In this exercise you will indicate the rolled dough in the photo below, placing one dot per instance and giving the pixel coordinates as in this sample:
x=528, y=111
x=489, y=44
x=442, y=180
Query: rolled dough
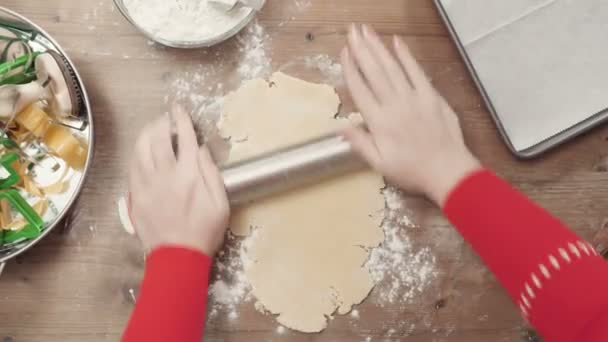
x=308, y=247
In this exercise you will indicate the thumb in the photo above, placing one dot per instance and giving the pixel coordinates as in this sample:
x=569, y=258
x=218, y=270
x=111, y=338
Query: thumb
x=363, y=144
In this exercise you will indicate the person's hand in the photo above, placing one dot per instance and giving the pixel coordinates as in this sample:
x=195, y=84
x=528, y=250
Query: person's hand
x=177, y=201
x=414, y=137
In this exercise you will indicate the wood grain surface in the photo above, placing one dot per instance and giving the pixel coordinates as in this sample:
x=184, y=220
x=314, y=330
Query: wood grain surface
x=74, y=286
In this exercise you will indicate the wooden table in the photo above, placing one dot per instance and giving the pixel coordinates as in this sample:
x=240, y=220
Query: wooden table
x=75, y=285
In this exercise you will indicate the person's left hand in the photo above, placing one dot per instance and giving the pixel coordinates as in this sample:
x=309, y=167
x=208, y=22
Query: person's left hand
x=178, y=201
x=414, y=137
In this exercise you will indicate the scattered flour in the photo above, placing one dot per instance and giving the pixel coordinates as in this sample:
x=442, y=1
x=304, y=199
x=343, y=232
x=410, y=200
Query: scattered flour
x=96, y=15
x=255, y=61
x=97, y=9
x=188, y=21
x=302, y=4
x=399, y=270
x=354, y=314
x=281, y=330
x=230, y=288
x=203, y=103
x=291, y=9
x=329, y=69
x=202, y=89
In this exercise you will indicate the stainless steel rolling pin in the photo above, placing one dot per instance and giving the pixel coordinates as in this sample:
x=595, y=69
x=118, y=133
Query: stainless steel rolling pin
x=288, y=168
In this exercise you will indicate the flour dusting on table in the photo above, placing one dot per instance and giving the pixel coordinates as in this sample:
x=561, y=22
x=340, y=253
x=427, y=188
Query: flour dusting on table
x=230, y=288
x=399, y=270
x=302, y=4
x=328, y=67
x=255, y=60
x=203, y=88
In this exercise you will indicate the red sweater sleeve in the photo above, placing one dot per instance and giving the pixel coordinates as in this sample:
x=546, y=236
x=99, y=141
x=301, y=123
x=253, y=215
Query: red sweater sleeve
x=173, y=297
x=555, y=278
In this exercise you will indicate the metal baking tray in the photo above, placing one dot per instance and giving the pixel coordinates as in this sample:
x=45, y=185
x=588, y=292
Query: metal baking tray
x=541, y=147
x=44, y=41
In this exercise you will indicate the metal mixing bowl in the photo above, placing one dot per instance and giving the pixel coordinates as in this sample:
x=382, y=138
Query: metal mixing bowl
x=44, y=40
x=187, y=44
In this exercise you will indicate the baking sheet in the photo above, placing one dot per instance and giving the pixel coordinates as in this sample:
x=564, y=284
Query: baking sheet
x=541, y=65
x=474, y=19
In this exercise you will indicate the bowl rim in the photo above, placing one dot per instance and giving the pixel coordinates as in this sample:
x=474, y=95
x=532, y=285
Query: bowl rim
x=187, y=44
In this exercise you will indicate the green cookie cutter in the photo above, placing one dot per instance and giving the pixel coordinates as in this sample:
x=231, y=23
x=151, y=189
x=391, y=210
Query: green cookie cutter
x=34, y=225
x=8, y=143
x=6, y=161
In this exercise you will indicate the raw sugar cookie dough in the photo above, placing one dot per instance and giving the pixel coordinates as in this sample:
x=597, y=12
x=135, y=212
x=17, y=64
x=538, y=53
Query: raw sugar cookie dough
x=309, y=246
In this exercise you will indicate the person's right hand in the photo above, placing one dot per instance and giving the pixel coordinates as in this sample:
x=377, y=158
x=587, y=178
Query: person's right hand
x=414, y=137
x=176, y=200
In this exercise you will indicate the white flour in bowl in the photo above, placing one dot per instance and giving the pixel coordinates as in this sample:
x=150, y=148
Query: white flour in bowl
x=186, y=21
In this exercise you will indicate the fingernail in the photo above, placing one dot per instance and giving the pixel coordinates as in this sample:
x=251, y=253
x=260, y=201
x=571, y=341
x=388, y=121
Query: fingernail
x=354, y=30
x=396, y=40
x=366, y=31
